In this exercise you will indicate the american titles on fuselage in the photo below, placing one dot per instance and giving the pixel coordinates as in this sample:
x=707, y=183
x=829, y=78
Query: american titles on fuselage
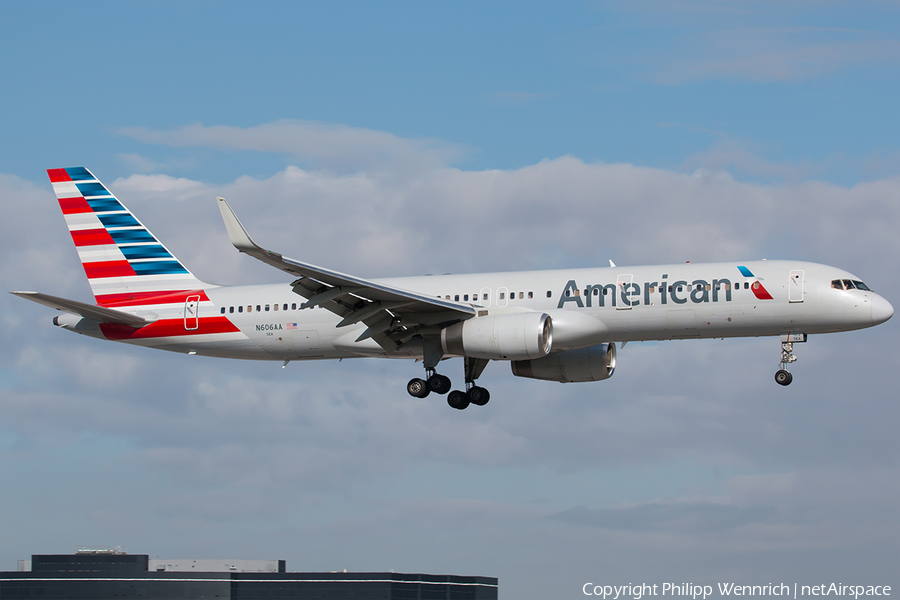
x=627, y=293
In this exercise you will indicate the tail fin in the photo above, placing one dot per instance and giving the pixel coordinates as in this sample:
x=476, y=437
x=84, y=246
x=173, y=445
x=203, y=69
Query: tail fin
x=123, y=261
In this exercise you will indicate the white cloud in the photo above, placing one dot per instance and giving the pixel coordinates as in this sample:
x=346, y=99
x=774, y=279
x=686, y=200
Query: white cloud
x=754, y=41
x=338, y=147
x=773, y=55
x=340, y=450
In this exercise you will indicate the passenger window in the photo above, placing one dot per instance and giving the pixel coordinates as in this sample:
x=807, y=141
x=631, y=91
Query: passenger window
x=447, y=297
x=231, y=309
x=549, y=293
x=285, y=306
x=267, y=308
x=746, y=285
x=679, y=288
x=249, y=308
x=502, y=295
x=257, y=308
x=606, y=291
x=485, y=296
x=223, y=310
x=275, y=307
x=709, y=287
x=567, y=294
x=530, y=295
x=577, y=293
x=293, y=306
x=727, y=286
x=652, y=289
x=456, y=297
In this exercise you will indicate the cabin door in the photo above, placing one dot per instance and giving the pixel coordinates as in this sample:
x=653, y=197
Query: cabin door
x=191, y=313
x=795, y=287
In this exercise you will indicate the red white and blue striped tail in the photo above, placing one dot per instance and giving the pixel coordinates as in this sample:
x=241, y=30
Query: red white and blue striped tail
x=124, y=263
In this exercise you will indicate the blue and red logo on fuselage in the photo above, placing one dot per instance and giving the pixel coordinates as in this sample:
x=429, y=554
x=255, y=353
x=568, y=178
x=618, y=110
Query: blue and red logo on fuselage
x=758, y=289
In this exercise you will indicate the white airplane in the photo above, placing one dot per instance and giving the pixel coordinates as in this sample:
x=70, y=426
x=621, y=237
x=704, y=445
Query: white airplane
x=560, y=325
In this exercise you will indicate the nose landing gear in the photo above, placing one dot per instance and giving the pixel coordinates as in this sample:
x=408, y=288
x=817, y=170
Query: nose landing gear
x=782, y=375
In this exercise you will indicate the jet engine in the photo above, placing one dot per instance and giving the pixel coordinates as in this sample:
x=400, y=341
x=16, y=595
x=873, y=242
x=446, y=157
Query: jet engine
x=67, y=320
x=518, y=336
x=593, y=363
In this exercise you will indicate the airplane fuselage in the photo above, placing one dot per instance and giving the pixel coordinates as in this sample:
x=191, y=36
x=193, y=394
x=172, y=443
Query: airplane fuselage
x=662, y=302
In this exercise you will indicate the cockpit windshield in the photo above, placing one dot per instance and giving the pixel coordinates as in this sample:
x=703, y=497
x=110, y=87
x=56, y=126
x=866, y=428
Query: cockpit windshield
x=848, y=284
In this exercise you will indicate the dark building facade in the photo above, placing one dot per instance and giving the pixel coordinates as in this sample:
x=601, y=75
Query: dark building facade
x=108, y=576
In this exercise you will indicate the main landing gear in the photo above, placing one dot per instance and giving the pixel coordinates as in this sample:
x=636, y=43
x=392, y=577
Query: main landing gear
x=440, y=384
x=782, y=375
x=434, y=382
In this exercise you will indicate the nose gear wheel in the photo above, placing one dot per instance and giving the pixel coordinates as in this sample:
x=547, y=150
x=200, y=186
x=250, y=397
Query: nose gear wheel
x=783, y=376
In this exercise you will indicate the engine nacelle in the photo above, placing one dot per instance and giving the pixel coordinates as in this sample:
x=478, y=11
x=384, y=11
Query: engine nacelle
x=67, y=320
x=518, y=336
x=593, y=363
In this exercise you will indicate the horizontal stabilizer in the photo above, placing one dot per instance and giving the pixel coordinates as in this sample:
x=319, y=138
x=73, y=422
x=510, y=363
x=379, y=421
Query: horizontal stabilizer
x=89, y=311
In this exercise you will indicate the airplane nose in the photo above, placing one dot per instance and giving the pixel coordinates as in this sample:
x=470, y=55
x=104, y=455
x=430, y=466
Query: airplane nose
x=881, y=310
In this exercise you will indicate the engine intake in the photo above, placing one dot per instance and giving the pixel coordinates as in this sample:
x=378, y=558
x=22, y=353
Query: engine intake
x=594, y=363
x=518, y=336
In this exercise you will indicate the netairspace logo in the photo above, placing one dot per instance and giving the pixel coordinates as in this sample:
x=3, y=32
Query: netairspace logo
x=695, y=591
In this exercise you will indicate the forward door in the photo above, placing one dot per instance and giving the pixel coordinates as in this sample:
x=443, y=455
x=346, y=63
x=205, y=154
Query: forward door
x=795, y=287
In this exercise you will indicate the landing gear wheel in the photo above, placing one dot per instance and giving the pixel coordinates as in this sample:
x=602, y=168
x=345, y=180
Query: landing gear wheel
x=457, y=399
x=439, y=384
x=783, y=377
x=478, y=395
x=417, y=388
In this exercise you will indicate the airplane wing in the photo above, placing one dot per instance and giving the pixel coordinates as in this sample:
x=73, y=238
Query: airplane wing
x=89, y=311
x=390, y=313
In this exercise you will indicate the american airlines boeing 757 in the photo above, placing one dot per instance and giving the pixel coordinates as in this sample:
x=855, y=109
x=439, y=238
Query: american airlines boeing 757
x=559, y=325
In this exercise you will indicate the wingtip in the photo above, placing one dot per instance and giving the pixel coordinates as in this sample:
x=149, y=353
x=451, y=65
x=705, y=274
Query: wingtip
x=239, y=237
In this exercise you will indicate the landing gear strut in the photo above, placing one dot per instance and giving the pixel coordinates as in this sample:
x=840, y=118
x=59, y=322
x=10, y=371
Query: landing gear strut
x=782, y=375
x=441, y=384
x=474, y=394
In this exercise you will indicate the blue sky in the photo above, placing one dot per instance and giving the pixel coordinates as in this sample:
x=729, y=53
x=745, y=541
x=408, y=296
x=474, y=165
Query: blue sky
x=408, y=138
